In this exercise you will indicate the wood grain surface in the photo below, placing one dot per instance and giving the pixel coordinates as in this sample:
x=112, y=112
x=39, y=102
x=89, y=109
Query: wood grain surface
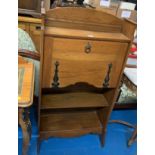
x=83, y=34
x=29, y=20
x=71, y=123
x=25, y=98
x=73, y=100
x=75, y=65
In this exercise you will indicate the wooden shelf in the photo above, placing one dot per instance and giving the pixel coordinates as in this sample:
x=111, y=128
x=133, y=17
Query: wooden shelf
x=29, y=20
x=83, y=34
x=73, y=100
x=70, y=123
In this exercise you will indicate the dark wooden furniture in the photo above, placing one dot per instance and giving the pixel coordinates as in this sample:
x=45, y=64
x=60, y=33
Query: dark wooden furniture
x=29, y=7
x=25, y=99
x=84, y=54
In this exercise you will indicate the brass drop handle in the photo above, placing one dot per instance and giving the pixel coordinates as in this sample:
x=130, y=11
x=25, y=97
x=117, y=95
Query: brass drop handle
x=88, y=48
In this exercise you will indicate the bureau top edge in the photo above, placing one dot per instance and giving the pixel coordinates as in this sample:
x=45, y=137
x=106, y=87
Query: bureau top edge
x=84, y=34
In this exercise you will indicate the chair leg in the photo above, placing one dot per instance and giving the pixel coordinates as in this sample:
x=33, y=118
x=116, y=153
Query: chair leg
x=38, y=146
x=133, y=137
x=26, y=129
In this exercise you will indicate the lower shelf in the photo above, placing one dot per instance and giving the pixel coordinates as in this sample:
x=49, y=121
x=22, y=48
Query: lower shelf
x=68, y=124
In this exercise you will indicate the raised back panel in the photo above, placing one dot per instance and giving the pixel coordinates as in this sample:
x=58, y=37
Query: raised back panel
x=83, y=18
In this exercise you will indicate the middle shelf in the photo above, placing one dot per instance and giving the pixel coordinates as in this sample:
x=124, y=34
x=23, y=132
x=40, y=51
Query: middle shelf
x=73, y=100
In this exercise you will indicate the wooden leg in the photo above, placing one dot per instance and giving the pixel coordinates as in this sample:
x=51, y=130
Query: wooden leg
x=25, y=124
x=38, y=146
x=133, y=137
x=102, y=138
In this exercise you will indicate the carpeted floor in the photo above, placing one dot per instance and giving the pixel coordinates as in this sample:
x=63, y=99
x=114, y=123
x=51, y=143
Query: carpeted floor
x=115, y=143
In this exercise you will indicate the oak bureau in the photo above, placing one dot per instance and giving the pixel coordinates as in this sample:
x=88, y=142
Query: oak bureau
x=84, y=53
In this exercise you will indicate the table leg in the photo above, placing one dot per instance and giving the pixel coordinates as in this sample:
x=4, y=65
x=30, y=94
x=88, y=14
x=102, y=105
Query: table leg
x=25, y=124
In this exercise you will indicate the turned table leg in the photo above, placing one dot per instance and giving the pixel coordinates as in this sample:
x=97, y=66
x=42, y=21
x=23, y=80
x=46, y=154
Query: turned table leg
x=24, y=122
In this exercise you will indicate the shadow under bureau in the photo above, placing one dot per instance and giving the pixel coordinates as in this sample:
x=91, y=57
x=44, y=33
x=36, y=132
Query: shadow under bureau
x=83, y=58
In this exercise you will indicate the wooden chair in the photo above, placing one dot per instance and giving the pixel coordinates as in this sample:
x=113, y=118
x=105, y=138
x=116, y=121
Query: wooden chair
x=29, y=54
x=130, y=81
x=32, y=56
x=23, y=112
